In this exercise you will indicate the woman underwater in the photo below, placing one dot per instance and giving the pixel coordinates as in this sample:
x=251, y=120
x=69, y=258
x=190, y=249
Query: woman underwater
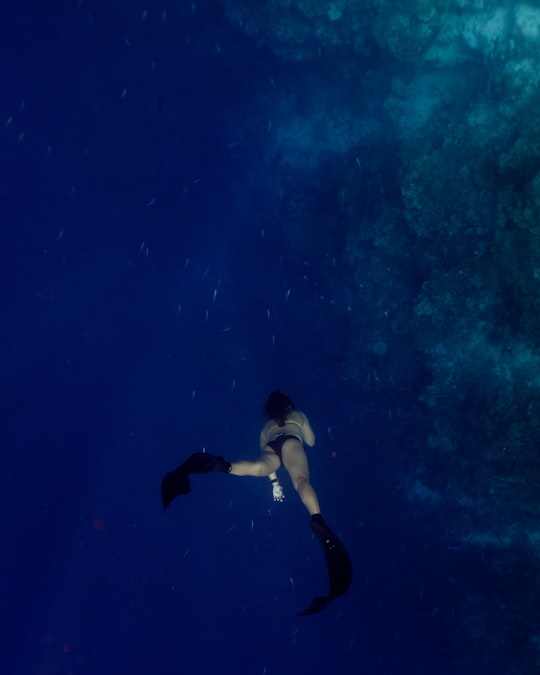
x=282, y=441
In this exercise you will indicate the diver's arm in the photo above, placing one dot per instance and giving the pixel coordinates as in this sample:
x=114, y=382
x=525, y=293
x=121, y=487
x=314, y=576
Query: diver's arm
x=277, y=490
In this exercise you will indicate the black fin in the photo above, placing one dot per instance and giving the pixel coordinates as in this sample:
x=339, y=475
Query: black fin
x=176, y=482
x=338, y=563
x=337, y=558
x=319, y=603
x=204, y=462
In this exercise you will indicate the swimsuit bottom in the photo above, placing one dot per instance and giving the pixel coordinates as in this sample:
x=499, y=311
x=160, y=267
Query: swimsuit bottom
x=277, y=444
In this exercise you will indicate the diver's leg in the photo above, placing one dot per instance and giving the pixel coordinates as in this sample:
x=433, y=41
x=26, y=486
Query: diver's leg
x=265, y=464
x=295, y=461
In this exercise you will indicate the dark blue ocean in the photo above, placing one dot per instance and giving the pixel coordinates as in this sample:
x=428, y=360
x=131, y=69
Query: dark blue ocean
x=183, y=231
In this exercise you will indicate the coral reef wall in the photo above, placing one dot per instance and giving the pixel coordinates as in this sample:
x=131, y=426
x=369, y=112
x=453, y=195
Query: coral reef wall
x=422, y=120
x=417, y=138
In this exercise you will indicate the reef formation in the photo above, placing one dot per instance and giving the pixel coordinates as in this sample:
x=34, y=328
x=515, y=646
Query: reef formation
x=411, y=162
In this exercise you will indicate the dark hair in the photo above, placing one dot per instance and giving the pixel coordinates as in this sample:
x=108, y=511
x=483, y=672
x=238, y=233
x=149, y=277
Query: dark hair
x=278, y=406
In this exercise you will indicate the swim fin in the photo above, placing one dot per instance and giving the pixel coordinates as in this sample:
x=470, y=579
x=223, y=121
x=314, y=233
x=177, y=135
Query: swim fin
x=338, y=563
x=177, y=483
x=174, y=484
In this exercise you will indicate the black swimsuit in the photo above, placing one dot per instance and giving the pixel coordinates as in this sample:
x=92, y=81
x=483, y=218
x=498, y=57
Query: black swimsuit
x=277, y=444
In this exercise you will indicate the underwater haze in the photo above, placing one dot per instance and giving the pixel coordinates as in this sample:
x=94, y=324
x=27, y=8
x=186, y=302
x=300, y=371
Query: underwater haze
x=204, y=201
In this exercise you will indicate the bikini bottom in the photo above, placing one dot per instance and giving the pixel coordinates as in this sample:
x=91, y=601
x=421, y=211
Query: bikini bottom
x=277, y=444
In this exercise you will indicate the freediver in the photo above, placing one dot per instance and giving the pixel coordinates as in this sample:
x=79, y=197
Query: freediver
x=282, y=441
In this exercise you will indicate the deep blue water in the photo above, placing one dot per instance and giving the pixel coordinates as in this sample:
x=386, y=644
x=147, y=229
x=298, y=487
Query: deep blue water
x=136, y=183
